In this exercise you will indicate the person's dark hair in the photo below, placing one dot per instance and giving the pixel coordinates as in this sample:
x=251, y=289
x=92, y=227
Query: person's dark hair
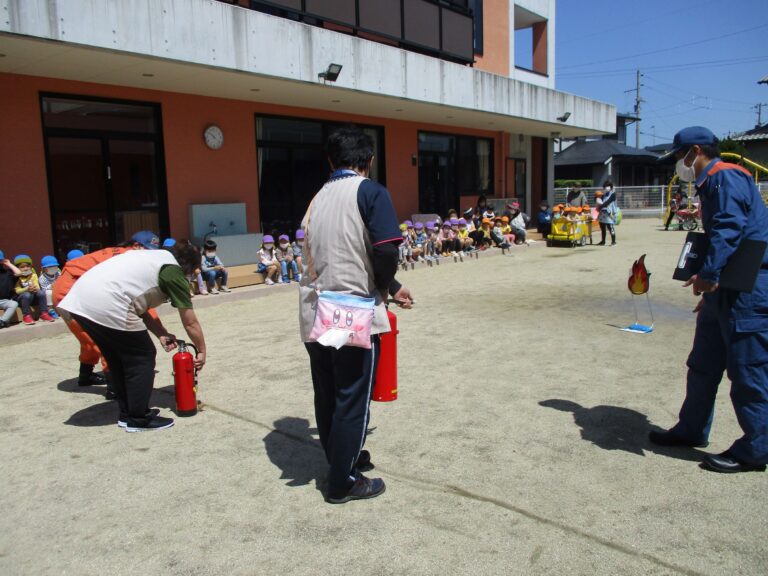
x=608, y=182
x=349, y=147
x=711, y=150
x=209, y=245
x=186, y=255
x=127, y=244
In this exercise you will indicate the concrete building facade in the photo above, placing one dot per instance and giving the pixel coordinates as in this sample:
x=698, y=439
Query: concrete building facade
x=122, y=115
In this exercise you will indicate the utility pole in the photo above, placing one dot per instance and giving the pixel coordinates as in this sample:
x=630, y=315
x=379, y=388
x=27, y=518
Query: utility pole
x=638, y=101
x=759, y=108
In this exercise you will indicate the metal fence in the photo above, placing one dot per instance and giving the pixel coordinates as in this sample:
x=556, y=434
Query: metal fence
x=639, y=200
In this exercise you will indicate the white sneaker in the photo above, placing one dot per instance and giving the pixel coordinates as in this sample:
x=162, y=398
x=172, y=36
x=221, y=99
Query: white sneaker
x=213, y=291
x=298, y=278
x=225, y=289
x=269, y=281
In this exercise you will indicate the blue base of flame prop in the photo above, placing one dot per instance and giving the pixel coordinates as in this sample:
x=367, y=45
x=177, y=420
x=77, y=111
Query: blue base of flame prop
x=638, y=328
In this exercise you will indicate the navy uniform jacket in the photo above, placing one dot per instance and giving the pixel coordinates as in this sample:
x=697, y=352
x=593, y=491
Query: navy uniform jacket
x=733, y=210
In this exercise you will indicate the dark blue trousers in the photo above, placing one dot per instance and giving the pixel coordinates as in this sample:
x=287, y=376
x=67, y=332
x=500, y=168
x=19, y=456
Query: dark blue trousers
x=719, y=348
x=343, y=383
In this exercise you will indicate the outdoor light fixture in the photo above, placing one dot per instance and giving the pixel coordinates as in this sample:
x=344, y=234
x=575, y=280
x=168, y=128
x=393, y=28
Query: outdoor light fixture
x=564, y=117
x=331, y=74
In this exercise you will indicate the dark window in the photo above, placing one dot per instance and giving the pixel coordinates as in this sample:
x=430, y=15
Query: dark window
x=292, y=167
x=477, y=16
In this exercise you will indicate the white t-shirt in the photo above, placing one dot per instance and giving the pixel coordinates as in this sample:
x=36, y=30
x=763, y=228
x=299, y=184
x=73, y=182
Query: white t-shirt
x=119, y=290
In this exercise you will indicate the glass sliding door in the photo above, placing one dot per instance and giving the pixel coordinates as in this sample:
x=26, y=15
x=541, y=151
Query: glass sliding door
x=105, y=171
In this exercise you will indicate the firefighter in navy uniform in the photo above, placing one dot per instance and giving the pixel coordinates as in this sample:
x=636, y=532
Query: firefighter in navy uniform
x=731, y=327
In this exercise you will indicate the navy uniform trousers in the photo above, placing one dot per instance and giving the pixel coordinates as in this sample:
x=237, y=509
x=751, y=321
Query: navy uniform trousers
x=717, y=348
x=343, y=383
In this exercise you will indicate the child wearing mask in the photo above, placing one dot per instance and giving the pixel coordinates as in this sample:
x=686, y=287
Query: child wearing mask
x=268, y=262
x=49, y=268
x=419, y=241
x=463, y=235
x=213, y=268
x=285, y=257
x=433, y=244
x=28, y=291
x=298, y=247
x=449, y=244
x=484, y=238
x=404, y=249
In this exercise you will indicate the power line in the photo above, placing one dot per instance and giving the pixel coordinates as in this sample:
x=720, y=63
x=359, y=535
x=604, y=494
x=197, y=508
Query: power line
x=668, y=67
x=660, y=50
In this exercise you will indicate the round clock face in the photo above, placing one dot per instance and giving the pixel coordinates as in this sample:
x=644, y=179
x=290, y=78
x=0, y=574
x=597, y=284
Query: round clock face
x=214, y=137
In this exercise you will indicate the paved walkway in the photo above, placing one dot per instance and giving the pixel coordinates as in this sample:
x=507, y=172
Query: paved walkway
x=517, y=446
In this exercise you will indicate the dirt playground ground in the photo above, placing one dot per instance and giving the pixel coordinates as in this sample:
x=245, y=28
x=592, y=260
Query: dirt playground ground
x=518, y=444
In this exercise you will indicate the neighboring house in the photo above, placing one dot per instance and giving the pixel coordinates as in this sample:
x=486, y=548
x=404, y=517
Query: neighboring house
x=610, y=157
x=121, y=115
x=756, y=143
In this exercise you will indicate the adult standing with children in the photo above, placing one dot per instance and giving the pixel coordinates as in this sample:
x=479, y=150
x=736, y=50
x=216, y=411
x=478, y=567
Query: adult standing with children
x=350, y=249
x=731, y=326
x=111, y=302
x=605, y=201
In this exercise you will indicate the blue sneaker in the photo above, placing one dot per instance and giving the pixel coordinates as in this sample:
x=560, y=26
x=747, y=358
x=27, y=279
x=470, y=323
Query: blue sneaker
x=53, y=314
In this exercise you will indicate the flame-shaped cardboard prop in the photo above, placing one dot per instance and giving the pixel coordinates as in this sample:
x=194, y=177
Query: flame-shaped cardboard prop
x=639, y=280
x=639, y=284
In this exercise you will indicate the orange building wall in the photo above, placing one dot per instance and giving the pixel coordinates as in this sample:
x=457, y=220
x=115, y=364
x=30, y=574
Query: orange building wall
x=194, y=174
x=495, y=57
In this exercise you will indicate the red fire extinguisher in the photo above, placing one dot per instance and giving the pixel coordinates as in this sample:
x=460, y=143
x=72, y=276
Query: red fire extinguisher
x=385, y=388
x=185, y=379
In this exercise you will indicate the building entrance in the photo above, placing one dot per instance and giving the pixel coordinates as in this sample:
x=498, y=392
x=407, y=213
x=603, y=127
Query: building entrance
x=105, y=172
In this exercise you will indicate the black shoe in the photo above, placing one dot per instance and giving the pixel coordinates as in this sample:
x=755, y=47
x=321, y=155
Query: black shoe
x=669, y=438
x=3, y=324
x=109, y=395
x=92, y=379
x=122, y=420
x=727, y=464
x=601, y=243
x=148, y=424
x=362, y=489
x=364, y=463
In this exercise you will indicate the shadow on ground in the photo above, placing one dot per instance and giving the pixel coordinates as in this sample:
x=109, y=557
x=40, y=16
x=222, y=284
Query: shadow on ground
x=617, y=428
x=106, y=413
x=291, y=447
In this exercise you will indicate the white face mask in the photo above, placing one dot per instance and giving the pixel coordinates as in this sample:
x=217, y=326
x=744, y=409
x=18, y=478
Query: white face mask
x=284, y=245
x=608, y=188
x=685, y=173
x=210, y=254
x=51, y=271
x=268, y=246
x=300, y=242
x=27, y=272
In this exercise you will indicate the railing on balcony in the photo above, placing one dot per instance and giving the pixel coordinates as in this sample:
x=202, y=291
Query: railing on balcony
x=441, y=28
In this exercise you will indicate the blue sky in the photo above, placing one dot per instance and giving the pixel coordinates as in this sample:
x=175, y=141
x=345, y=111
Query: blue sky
x=701, y=60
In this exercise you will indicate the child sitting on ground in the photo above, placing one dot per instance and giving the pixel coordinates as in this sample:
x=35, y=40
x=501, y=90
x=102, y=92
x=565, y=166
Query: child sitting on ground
x=268, y=263
x=419, y=241
x=28, y=291
x=404, y=249
x=298, y=247
x=285, y=257
x=463, y=236
x=497, y=233
x=506, y=230
x=49, y=268
x=448, y=242
x=433, y=243
x=8, y=274
x=213, y=268
x=484, y=236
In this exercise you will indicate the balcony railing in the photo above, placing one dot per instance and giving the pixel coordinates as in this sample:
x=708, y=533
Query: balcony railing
x=441, y=28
